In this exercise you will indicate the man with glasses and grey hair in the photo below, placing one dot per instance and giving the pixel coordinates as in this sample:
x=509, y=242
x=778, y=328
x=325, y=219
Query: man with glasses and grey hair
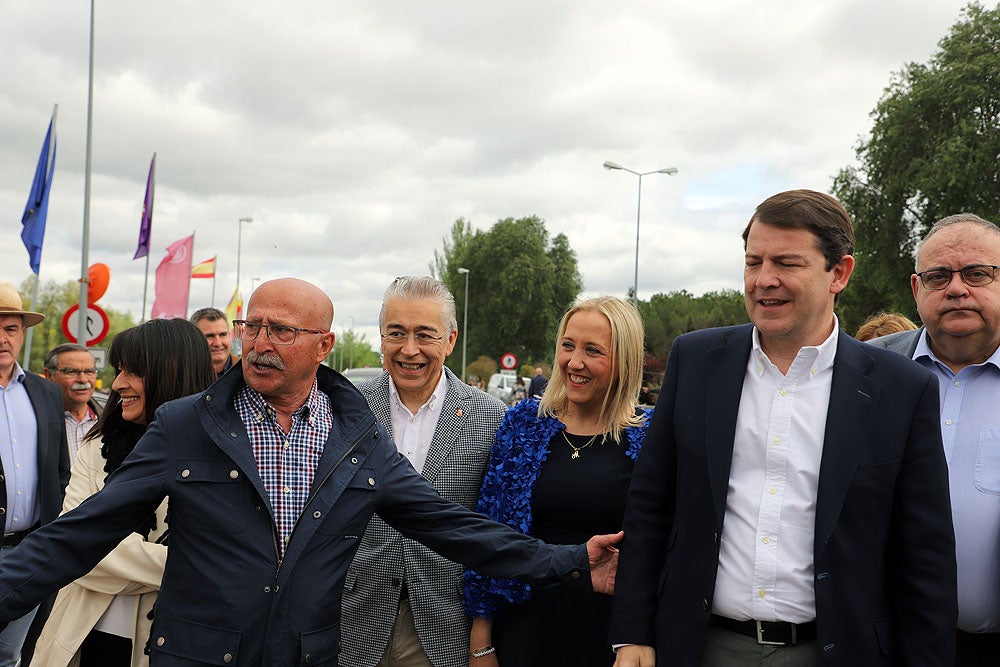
x=958, y=299
x=72, y=368
x=402, y=602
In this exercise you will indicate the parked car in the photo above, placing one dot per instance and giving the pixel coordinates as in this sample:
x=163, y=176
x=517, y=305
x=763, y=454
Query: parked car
x=501, y=385
x=361, y=375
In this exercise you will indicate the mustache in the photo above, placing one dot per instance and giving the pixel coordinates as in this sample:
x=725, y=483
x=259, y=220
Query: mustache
x=264, y=359
x=81, y=385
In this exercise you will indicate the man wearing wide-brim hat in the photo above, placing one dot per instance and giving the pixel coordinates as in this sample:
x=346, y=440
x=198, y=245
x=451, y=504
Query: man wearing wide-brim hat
x=34, y=462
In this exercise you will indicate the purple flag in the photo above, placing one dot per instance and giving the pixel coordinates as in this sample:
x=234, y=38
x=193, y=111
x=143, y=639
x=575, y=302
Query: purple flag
x=146, y=226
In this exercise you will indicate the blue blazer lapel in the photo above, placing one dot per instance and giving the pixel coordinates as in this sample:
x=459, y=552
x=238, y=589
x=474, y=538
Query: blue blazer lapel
x=725, y=367
x=850, y=421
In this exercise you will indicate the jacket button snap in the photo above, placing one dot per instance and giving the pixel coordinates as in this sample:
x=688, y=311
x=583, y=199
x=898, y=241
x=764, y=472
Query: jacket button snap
x=575, y=575
x=354, y=459
x=317, y=514
x=208, y=397
x=704, y=605
x=308, y=658
x=233, y=474
x=267, y=589
x=160, y=641
x=185, y=473
x=227, y=658
x=371, y=481
x=3, y=510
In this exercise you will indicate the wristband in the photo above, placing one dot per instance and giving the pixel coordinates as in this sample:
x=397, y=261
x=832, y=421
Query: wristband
x=482, y=652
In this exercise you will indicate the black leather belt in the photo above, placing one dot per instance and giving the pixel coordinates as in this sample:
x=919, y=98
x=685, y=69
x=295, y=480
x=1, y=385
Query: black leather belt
x=773, y=633
x=13, y=539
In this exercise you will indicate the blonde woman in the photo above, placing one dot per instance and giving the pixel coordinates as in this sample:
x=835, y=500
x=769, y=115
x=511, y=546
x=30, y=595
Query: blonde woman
x=560, y=471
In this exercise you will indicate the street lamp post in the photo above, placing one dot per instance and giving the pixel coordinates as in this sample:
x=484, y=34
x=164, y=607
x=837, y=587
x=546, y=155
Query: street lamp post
x=239, y=250
x=352, y=342
x=465, y=320
x=670, y=171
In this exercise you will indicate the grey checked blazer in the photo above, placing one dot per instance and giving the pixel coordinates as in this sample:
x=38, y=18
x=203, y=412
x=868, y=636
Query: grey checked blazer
x=455, y=465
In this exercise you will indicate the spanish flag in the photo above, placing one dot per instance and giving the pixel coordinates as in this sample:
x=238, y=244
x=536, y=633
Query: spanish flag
x=204, y=270
x=234, y=311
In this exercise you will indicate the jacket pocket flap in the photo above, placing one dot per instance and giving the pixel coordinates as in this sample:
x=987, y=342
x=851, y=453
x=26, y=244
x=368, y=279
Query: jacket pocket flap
x=194, y=641
x=320, y=646
x=205, y=470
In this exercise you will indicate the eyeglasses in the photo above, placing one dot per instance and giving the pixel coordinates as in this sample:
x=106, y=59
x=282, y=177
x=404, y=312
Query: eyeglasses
x=279, y=334
x=88, y=372
x=973, y=275
x=420, y=338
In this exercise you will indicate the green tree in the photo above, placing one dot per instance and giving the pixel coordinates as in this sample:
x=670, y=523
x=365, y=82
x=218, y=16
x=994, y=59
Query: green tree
x=520, y=284
x=352, y=350
x=53, y=301
x=482, y=368
x=667, y=316
x=932, y=152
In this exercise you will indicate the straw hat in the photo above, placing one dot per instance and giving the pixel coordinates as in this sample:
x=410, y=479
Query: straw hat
x=10, y=304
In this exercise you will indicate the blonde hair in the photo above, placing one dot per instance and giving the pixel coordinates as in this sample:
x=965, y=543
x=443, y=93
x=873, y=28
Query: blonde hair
x=883, y=324
x=627, y=356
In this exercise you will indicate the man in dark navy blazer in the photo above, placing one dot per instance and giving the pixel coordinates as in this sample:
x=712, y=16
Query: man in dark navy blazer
x=34, y=460
x=791, y=499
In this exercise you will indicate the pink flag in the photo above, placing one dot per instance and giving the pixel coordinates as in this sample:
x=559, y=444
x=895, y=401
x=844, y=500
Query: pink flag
x=173, y=280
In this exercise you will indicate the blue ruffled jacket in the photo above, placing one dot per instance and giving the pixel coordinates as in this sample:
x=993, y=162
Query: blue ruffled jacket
x=522, y=445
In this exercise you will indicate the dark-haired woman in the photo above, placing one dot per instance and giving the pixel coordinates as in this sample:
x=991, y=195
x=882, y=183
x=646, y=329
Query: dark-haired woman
x=102, y=618
x=559, y=471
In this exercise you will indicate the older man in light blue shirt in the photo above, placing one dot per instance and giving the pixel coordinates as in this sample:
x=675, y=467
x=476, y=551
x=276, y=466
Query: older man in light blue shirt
x=958, y=299
x=34, y=462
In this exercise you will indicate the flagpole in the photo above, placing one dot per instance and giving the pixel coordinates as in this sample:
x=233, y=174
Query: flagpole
x=81, y=335
x=148, y=201
x=215, y=266
x=26, y=364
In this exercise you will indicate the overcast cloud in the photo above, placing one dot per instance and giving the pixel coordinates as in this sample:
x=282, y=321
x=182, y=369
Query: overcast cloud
x=354, y=134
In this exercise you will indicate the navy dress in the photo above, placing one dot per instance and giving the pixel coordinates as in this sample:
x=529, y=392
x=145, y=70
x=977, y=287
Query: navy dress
x=573, y=500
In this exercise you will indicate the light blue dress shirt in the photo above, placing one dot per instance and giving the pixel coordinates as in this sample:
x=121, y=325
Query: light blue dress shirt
x=19, y=454
x=970, y=430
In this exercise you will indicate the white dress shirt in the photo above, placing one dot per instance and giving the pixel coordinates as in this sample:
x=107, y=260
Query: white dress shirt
x=413, y=432
x=766, y=550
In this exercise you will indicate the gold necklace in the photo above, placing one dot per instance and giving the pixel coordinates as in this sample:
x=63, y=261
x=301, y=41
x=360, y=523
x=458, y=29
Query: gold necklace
x=576, y=450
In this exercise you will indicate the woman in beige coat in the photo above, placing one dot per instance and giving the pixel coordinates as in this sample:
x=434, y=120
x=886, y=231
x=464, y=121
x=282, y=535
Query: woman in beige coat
x=103, y=618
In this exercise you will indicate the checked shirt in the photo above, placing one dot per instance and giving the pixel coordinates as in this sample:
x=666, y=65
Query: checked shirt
x=286, y=461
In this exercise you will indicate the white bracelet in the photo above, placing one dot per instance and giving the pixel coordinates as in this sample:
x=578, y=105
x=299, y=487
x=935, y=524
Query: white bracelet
x=482, y=652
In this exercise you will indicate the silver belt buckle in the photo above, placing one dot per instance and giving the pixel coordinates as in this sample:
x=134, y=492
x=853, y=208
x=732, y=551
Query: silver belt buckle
x=760, y=636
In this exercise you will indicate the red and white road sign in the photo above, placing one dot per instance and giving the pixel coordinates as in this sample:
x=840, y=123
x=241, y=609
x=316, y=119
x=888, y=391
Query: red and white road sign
x=98, y=324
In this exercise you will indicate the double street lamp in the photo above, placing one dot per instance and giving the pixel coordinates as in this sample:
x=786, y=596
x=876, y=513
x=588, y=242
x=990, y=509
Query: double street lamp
x=669, y=171
x=465, y=319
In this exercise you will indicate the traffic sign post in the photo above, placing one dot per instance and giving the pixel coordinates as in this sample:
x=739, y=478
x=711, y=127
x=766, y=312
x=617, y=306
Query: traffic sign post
x=97, y=323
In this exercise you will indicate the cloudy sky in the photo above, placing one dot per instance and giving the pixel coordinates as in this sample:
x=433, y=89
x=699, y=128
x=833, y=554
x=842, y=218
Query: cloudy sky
x=354, y=134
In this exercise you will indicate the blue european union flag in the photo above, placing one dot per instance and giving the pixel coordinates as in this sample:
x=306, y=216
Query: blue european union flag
x=37, y=208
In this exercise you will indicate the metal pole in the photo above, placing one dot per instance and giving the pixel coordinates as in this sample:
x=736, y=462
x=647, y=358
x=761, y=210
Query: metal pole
x=352, y=342
x=239, y=251
x=465, y=326
x=81, y=331
x=635, y=280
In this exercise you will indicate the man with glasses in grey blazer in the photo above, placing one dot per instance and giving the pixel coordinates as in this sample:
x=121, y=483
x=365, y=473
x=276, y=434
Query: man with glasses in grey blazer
x=402, y=604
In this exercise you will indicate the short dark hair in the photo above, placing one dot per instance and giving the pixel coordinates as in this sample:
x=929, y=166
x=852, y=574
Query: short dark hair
x=52, y=358
x=814, y=211
x=210, y=314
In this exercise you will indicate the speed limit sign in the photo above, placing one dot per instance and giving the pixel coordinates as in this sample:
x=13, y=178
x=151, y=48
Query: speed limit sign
x=508, y=361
